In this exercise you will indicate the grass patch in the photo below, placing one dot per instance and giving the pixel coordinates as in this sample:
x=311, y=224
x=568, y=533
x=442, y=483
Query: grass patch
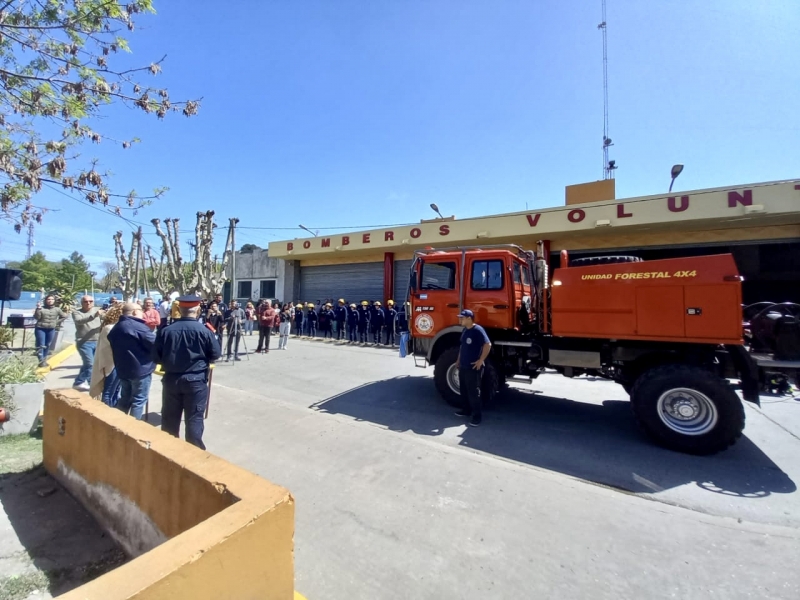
x=19, y=587
x=19, y=453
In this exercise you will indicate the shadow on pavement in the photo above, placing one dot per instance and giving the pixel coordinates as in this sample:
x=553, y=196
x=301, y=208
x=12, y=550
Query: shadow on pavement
x=60, y=537
x=598, y=443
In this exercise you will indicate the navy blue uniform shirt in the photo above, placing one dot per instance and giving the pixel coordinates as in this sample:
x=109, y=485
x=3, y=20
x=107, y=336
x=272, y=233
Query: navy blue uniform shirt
x=472, y=341
x=186, y=346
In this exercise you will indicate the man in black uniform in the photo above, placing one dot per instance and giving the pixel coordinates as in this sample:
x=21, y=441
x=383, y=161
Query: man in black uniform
x=185, y=351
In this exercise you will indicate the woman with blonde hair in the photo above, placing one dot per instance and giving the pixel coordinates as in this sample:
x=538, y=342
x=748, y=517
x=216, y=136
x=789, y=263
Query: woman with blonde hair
x=105, y=382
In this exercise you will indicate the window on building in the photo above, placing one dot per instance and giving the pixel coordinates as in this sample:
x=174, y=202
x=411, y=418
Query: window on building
x=487, y=275
x=244, y=289
x=438, y=276
x=268, y=289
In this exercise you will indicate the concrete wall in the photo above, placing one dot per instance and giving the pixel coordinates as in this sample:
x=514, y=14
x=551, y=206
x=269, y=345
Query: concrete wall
x=198, y=526
x=257, y=265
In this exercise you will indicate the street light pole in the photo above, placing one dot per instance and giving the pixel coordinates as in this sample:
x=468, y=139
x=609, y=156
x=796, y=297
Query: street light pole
x=676, y=170
x=436, y=210
x=308, y=230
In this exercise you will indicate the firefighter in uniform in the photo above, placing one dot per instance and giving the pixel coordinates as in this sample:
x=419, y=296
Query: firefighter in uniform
x=311, y=318
x=391, y=316
x=185, y=351
x=363, y=322
x=352, y=324
x=298, y=320
x=376, y=321
x=340, y=316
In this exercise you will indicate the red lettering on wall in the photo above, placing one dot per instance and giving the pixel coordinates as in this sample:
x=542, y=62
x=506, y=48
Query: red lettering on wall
x=345, y=240
x=673, y=206
x=444, y=229
x=326, y=242
x=533, y=219
x=365, y=238
x=621, y=214
x=306, y=244
x=388, y=236
x=576, y=216
x=416, y=232
x=735, y=198
x=290, y=246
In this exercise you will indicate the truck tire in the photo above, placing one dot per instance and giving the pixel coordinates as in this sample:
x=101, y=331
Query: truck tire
x=687, y=409
x=603, y=260
x=445, y=377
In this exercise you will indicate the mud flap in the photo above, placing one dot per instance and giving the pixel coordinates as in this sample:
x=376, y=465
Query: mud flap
x=748, y=371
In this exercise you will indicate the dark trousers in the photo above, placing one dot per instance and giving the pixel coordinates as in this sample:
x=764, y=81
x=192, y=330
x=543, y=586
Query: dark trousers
x=362, y=333
x=298, y=329
x=376, y=335
x=339, y=330
x=264, y=333
x=352, y=333
x=389, y=335
x=469, y=383
x=231, y=337
x=327, y=332
x=312, y=329
x=184, y=395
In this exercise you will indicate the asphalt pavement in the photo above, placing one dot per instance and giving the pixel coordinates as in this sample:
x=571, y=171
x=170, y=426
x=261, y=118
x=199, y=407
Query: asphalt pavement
x=557, y=493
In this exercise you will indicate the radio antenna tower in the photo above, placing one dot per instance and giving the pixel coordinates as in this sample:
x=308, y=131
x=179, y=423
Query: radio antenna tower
x=31, y=242
x=609, y=166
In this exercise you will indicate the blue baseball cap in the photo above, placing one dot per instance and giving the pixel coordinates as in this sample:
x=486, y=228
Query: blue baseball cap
x=467, y=313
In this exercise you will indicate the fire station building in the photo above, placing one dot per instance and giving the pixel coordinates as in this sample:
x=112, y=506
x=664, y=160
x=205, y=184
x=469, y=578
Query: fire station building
x=758, y=223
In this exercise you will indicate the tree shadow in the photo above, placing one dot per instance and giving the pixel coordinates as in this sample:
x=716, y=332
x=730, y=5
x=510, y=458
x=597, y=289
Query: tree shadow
x=60, y=537
x=595, y=442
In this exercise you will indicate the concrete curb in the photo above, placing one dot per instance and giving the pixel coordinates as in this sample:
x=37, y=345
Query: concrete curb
x=59, y=357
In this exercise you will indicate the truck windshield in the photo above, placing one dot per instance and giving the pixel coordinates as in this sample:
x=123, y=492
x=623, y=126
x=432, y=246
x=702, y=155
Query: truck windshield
x=438, y=276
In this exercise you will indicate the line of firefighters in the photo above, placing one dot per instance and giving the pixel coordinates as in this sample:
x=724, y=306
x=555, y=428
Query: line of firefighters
x=353, y=323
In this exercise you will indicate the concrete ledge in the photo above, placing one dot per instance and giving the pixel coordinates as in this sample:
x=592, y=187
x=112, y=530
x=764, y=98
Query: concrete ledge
x=199, y=526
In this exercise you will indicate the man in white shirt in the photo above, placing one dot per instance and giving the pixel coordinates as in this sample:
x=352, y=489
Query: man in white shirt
x=163, y=312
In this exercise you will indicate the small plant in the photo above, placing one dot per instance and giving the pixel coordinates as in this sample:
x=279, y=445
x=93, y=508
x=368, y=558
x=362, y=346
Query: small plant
x=6, y=336
x=16, y=369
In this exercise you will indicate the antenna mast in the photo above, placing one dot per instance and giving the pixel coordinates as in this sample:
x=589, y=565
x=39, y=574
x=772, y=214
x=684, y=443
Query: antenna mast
x=609, y=166
x=31, y=242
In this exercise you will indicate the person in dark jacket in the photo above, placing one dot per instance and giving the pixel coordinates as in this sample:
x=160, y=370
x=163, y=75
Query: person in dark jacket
x=185, y=351
x=363, y=322
x=376, y=321
x=216, y=319
x=391, y=316
x=298, y=320
x=326, y=321
x=340, y=316
x=132, y=348
x=352, y=324
x=312, y=319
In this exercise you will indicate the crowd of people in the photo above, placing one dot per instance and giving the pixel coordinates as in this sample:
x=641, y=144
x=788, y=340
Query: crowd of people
x=121, y=344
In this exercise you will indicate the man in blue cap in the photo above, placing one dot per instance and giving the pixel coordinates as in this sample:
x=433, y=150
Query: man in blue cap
x=185, y=351
x=475, y=348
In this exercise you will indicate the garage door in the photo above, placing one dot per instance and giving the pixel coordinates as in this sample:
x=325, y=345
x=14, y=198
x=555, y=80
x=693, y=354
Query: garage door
x=354, y=282
x=402, y=271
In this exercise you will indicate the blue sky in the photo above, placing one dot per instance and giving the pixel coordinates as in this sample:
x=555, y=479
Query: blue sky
x=342, y=114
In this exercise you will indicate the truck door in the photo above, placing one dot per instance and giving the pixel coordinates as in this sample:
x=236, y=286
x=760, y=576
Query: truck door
x=488, y=292
x=435, y=304
x=521, y=295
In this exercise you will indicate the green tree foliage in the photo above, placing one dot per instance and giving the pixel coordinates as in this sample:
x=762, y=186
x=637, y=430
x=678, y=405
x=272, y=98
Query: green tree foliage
x=249, y=248
x=74, y=272
x=60, y=64
x=38, y=272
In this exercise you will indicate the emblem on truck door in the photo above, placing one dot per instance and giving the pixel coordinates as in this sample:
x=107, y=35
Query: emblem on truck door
x=424, y=323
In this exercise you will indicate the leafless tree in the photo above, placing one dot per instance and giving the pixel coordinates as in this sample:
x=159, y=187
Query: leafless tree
x=126, y=263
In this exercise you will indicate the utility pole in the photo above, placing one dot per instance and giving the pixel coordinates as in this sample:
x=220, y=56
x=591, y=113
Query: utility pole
x=31, y=242
x=233, y=224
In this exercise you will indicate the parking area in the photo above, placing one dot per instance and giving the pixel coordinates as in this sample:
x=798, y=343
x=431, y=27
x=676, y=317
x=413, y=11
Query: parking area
x=556, y=493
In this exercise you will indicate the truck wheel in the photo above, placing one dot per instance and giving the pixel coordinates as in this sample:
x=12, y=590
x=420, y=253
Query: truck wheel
x=687, y=409
x=445, y=376
x=491, y=385
x=603, y=260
